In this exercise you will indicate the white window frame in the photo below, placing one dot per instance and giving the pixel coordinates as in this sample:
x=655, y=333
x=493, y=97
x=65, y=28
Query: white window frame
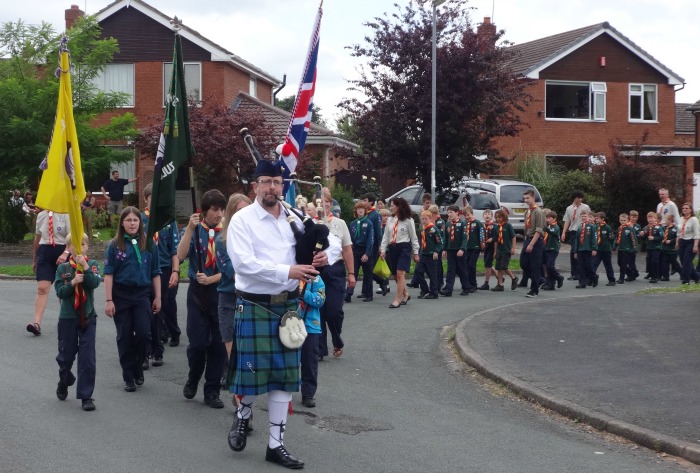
x=597, y=100
x=167, y=77
x=102, y=80
x=253, y=87
x=638, y=90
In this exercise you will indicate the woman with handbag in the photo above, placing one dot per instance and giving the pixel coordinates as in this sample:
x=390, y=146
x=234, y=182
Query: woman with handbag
x=401, y=241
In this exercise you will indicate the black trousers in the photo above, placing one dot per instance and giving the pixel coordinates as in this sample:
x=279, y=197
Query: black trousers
x=133, y=322
x=73, y=340
x=155, y=348
x=427, y=266
x=531, y=263
x=654, y=263
x=585, y=267
x=206, y=353
x=332, y=313
x=170, y=326
x=571, y=237
x=456, y=266
x=604, y=257
x=472, y=258
x=550, y=262
x=669, y=259
x=309, y=365
x=623, y=261
x=367, y=267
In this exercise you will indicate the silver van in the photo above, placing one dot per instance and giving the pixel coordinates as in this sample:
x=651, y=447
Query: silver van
x=509, y=195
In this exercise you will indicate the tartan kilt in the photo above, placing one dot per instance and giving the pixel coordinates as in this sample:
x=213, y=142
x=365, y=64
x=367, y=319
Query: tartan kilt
x=263, y=363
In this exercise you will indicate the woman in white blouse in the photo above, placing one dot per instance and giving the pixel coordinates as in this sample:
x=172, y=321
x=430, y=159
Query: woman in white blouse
x=687, y=244
x=401, y=241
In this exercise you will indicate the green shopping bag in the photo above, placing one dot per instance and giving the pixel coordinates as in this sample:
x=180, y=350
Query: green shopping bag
x=381, y=269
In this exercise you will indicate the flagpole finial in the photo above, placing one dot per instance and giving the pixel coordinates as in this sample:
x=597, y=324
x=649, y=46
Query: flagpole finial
x=63, y=48
x=177, y=24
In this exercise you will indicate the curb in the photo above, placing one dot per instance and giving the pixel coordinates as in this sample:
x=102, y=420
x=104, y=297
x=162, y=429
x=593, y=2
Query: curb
x=603, y=422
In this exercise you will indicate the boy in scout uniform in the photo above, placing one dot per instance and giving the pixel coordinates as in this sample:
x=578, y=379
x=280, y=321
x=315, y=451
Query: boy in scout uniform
x=586, y=248
x=362, y=235
x=626, y=246
x=633, y=272
x=430, y=249
x=455, y=248
x=669, y=253
x=654, y=236
x=552, y=244
x=606, y=237
x=475, y=243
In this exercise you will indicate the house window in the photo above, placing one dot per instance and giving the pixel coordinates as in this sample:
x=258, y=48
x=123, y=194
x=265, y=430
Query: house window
x=575, y=100
x=193, y=80
x=117, y=78
x=643, y=102
x=253, y=89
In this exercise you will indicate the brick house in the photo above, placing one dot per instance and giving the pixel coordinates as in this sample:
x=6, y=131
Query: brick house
x=590, y=86
x=143, y=67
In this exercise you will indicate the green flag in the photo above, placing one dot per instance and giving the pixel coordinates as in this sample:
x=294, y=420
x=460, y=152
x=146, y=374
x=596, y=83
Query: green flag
x=174, y=148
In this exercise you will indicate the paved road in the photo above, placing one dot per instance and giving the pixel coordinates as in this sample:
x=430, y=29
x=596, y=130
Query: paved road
x=395, y=402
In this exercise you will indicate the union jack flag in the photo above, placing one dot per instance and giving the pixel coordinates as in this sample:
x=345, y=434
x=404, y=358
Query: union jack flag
x=301, y=113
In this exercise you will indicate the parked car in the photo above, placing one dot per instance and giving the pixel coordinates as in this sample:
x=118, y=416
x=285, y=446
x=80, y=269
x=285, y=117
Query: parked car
x=413, y=195
x=478, y=200
x=509, y=194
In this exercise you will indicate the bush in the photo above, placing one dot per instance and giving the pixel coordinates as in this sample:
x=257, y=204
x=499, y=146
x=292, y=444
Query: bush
x=344, y=197
x=13, y=222
x=558, y=196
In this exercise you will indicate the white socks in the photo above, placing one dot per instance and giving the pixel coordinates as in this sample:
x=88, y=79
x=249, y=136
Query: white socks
x=245, y=407
x=278, y=406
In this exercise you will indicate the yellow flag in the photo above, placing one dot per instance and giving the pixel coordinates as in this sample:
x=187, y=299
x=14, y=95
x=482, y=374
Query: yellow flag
x=62, y=188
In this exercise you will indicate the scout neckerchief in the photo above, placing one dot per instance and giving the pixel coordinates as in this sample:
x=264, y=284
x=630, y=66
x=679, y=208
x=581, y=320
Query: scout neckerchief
x=500, y=233
x=668, y=227
x=358, y=228
x=52, y=237
x=135, y=241
x=395, y=231
x=469, y=228
x=155, y=235
x=583, y=232
x=575, y=210
x=426, y=229
x=529, y=216
x=685, y=220
x=546, y=234
x=77, y=299
x=600, y=234
x=619, y=232
x=211, y=261
x=452, y=228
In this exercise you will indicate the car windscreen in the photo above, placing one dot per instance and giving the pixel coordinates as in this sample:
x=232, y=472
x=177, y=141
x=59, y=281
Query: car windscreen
x=483, y=202
x=514, y=193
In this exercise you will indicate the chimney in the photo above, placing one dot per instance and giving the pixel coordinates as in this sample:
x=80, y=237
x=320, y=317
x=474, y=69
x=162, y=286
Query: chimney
x=72, y=14
x=486, y=32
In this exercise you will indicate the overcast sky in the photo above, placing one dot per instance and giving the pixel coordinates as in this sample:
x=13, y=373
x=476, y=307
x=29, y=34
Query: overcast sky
x=274, y=34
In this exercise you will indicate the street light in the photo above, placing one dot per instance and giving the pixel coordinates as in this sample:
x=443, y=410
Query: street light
x=436, y=3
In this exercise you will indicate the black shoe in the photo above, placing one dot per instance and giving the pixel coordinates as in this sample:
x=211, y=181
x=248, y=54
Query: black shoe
x=547, y=287
x=386, y=290
x=421, y=295
x=281, y=456
x=580, y=286
x=70, y=379
x=360, y=296
x=431, y=296
x=531, y=294
x=368, y=299
x=653, y=281
x=665, y=279
x=348, y=298
x=445, y=293
x=497, y=288
x=414, y=286
x=190, y=390
x=175, y=341
x=88, y=405
x=145, y=365
x=130, y=387
x=648, y=276
x=484, y=287
x=673, y=271
x=139, y=380
x=514, y=284
x=630, y=278
x=473, y=289
x=214, y=402
x=238, y=434
x=379, y=291
x=572, y=278
x=560, y=282
x=157, y=361
x=620, y=281
x=522, y=283
x=308, y=402
x=464, y=292
x=611, y=284
x=595, y=281
x=61, y=391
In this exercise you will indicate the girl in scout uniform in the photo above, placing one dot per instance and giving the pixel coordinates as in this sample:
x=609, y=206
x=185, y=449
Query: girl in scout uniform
x=131, y=273
x=362, y=235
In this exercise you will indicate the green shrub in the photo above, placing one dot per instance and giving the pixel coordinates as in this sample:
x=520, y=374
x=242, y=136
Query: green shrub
x=558, y=196
x=344, y=197
x=13, y=222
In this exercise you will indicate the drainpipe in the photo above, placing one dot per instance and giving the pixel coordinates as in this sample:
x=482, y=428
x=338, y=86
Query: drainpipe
x=274, y=94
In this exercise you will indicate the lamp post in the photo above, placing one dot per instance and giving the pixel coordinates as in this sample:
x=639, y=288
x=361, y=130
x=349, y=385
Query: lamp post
x=436, y=3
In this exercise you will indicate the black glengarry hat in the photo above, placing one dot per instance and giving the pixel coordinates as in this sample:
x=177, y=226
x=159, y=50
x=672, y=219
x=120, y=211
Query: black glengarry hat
x=268, y=168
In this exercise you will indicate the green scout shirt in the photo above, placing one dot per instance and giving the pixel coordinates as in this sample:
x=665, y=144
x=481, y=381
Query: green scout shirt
x=638, y=233
x=626, y=239
x=670, y=233
x=475, y=235
x=66, y=292
x=551, y=238
x=503, y=236
x=606, y=237
x=590, y=238
x=455, y=236
x=430, y=240
x=654, y=236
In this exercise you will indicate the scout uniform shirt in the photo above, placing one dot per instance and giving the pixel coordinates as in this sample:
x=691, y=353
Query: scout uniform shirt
x=638, y=232
x=626, y=240
x=440, y=226
x=606, y=237
x=376, y=220
x=166, y=240
x=587, y=238
x=127, y=268
x=670, y=233
x=551, y=238
x=503, y=236
x=362, y=234
x=654, y=236
x=207, y=244
x=430, y=240
x=489, y=233
x=475, y=235
x=455, y=236
x=66, y=291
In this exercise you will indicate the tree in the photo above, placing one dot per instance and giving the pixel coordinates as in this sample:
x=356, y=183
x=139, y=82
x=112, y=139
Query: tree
x=287, y=104
x=29, y=91
x=222, y=160
x=478, y=97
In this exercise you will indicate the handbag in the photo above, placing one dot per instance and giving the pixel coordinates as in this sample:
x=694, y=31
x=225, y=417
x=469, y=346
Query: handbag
x=381, y=269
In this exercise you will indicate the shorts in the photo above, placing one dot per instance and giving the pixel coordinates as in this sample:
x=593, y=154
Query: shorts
x=114, y=207
x=502, y=261
x=227, y=312
x=399, y=257
x=488, y=258
x=46, y=256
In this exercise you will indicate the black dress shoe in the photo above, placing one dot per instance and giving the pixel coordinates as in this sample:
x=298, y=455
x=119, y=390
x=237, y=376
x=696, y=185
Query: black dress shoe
x=431, y=296
x=61, y=391
x=88, y=405
x=281, y=456
x=237, y=436
x=620, y=281
x=368, y=299
x=214, y=402
x=465, y=292
x=308, y=402
x=472, y=289
x=130, y=387
x=157, y=361
x=190, y=390
x=611, y=284
x=421, y=295
x=175, y=341
x=484, y=287
x=139, y=380
x=360, y=296
x=664, y=279
x=145, y=365
x=560, y=282
x=580, y=286
x=547, y=287
x=595, y=281
x=414, y=286
x=348, y=299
